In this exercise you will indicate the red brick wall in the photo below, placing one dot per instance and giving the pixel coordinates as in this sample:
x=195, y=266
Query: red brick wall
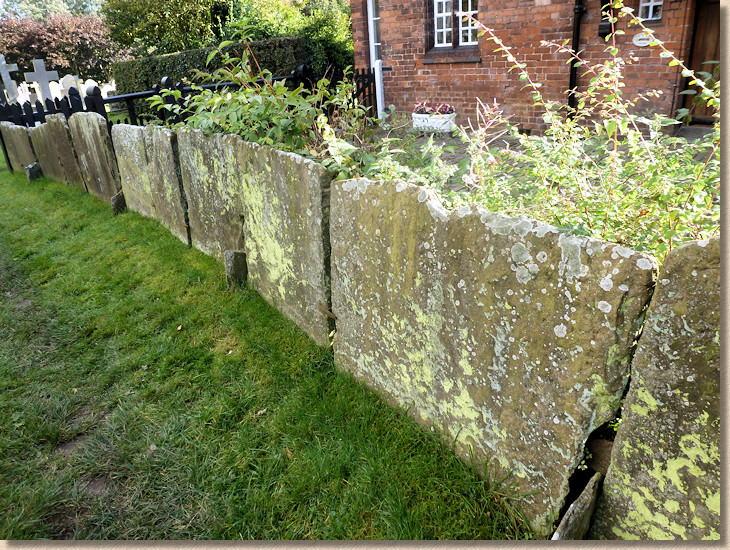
x=521, y=24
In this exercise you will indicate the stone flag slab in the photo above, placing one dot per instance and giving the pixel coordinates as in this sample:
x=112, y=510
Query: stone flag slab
x=17, y=142
x=509, y=337
x=148, y=172
x=95, y=154
x=664, y=478
x=52, y=144
x=211, y=180
x=286, y=232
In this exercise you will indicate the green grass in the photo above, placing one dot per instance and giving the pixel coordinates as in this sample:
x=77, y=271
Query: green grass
x=140, y=399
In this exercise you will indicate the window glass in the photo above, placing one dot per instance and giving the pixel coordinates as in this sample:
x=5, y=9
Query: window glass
x=445, y=26
x=650, y=9
x=442, y=21
x=468, y=29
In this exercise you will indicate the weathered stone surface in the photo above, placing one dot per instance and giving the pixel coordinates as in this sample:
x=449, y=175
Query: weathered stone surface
x=95, y=154
x=286, y=232
x=33, y=172
x=52, y=145
x=510, y=337
x=18, y=145
x=664, y=478
x=577, y=519
x=149, y=174
x=211, y=180
x=234, y=262
x=272, y=205
x=119, y=203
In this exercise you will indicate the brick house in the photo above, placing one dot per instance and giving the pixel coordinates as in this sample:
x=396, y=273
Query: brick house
x=429, y=54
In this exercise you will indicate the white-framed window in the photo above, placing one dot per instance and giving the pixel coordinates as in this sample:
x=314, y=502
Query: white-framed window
x=442, y=23
x=650, y=9
x=373, y=8
x=468, y=29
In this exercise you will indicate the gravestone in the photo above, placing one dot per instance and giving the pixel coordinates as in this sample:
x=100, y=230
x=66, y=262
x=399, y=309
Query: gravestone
x=286, y=230
x=664, y=479
x=52, y=144
x=11, y=88
x=24, y=93
x=509, y=337
x=42, y=77
x=108, y=90
x=17, y=142
x=56, y=90
x=67, y=82
x=95, y=154
x=89, y=83
x=148, y=171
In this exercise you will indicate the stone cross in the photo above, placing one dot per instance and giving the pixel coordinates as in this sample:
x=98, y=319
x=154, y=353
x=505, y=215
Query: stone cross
x=10, y=86
x=42, y=77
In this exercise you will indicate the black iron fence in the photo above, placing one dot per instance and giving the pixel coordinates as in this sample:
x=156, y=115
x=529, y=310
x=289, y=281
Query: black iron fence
x=365, y=86
x=131, y=108
x=133, y=104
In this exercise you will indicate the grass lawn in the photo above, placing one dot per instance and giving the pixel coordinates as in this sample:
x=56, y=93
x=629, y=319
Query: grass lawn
x=139, y=399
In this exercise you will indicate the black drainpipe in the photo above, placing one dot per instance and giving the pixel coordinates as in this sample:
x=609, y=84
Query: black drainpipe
x=578, y=11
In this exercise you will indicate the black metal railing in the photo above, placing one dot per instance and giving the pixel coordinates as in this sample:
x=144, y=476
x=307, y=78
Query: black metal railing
x=132, y=111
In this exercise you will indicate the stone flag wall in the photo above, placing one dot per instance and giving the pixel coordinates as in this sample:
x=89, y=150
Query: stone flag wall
x=273, y=206
x=56, y=155
x=17, y=142
x=511, y=338
x=212, y=186
x=94, y=151
x=149, y=176
x=664, y=478
x=287, y=234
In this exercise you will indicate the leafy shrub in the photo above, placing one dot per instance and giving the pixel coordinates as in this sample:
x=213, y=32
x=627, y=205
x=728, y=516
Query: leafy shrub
x=265, y=111
x=68, y=44
x=278, y=55
x=602, y=169
x=326, y=25
x=153, y=27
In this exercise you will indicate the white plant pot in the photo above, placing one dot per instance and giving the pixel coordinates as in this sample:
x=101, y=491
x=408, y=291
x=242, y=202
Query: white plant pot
x=433, y=122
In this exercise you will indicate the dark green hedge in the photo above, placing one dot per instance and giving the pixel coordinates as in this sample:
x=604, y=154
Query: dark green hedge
x=278, y=55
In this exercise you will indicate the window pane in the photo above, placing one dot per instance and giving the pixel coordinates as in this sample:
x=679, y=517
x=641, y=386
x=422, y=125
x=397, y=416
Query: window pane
x=439, y=24
x=447, y=6
x=448, y=37
x=464, y=5
x=643, y=12
x=474, y=5
x=657, y=12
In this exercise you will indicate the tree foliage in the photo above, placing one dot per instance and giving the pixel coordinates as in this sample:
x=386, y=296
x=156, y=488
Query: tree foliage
x=152, y=27
x=68, y=44
x=325, y=22
x=41, y=10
